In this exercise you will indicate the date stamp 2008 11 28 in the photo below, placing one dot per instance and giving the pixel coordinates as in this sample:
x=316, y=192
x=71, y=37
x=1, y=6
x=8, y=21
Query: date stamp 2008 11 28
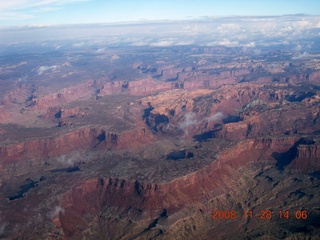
x=263, y=214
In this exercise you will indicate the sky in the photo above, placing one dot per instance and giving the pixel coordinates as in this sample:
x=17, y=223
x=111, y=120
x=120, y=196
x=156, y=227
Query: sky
x=57, y=12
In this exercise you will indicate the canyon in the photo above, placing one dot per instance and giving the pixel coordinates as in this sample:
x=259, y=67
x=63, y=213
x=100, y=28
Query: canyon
x=147, y=146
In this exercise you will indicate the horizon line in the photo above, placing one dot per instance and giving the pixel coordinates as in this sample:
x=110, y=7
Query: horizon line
x=142, y=21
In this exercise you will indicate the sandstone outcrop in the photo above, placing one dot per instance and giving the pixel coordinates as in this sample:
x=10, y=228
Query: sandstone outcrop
x=161, y=206
x=149, y=147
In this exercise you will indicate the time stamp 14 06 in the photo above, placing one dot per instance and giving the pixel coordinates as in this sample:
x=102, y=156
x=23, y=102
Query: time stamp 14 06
x=262, y=214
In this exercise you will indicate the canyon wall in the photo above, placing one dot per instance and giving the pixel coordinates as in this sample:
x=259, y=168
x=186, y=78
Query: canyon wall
x=141, y=202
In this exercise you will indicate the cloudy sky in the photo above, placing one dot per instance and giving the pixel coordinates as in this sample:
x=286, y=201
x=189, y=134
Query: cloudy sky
x=52, y=12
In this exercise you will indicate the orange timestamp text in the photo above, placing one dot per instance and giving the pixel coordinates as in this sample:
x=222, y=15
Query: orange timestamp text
x=262, y=214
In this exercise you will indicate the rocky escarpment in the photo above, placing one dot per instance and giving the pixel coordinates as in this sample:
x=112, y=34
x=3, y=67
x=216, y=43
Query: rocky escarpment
x=182, y=207
x=97, y=207
x=32, y=98
x=246, y=111
x=28, y=156
x=146, y=147
x=304, y=157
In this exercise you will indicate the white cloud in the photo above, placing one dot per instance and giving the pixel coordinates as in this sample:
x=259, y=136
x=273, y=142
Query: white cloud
x=210, y=44
x=251, y=44
x=137, y=41
x=190, y=119
x=56, y=211
x=164, y=43
x=101, y=50
x=46, y=9
x=24, y=4
x=27, y=9
x=69, y=160
x=139, y=44
x=41, y=70
x=298, y=48
x=192, y=29
x=303, y=55
x=228, y=43
x=216, y=117
x=228, y=28
x=184, y=43
x=303, y=24
x=230, y=32
x=12, y=15
x=79, y=44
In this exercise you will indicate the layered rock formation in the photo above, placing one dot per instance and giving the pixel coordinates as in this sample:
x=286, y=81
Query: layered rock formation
x=151, y=156
x=160, y=210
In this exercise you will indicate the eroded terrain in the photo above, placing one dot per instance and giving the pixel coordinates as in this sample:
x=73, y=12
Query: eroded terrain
x=145, y=143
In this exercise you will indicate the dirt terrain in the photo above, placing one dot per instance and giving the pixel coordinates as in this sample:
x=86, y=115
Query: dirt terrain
x=142, y=143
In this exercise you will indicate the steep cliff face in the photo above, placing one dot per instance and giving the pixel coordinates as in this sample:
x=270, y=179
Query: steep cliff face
x=139, y=207
x=65, y=95
x=28, y=155
x=246, y=111
x=148, y=148
x=97, y=207
x=182, y=80
x=306, y=159
x=140, y=87
x=41, y=148
x=265, y=122
x=308, y=151
x=28, y=99
x=58, y=113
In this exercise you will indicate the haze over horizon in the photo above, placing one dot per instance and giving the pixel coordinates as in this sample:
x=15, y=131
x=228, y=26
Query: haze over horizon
x=93, y=24
x=57, y=12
